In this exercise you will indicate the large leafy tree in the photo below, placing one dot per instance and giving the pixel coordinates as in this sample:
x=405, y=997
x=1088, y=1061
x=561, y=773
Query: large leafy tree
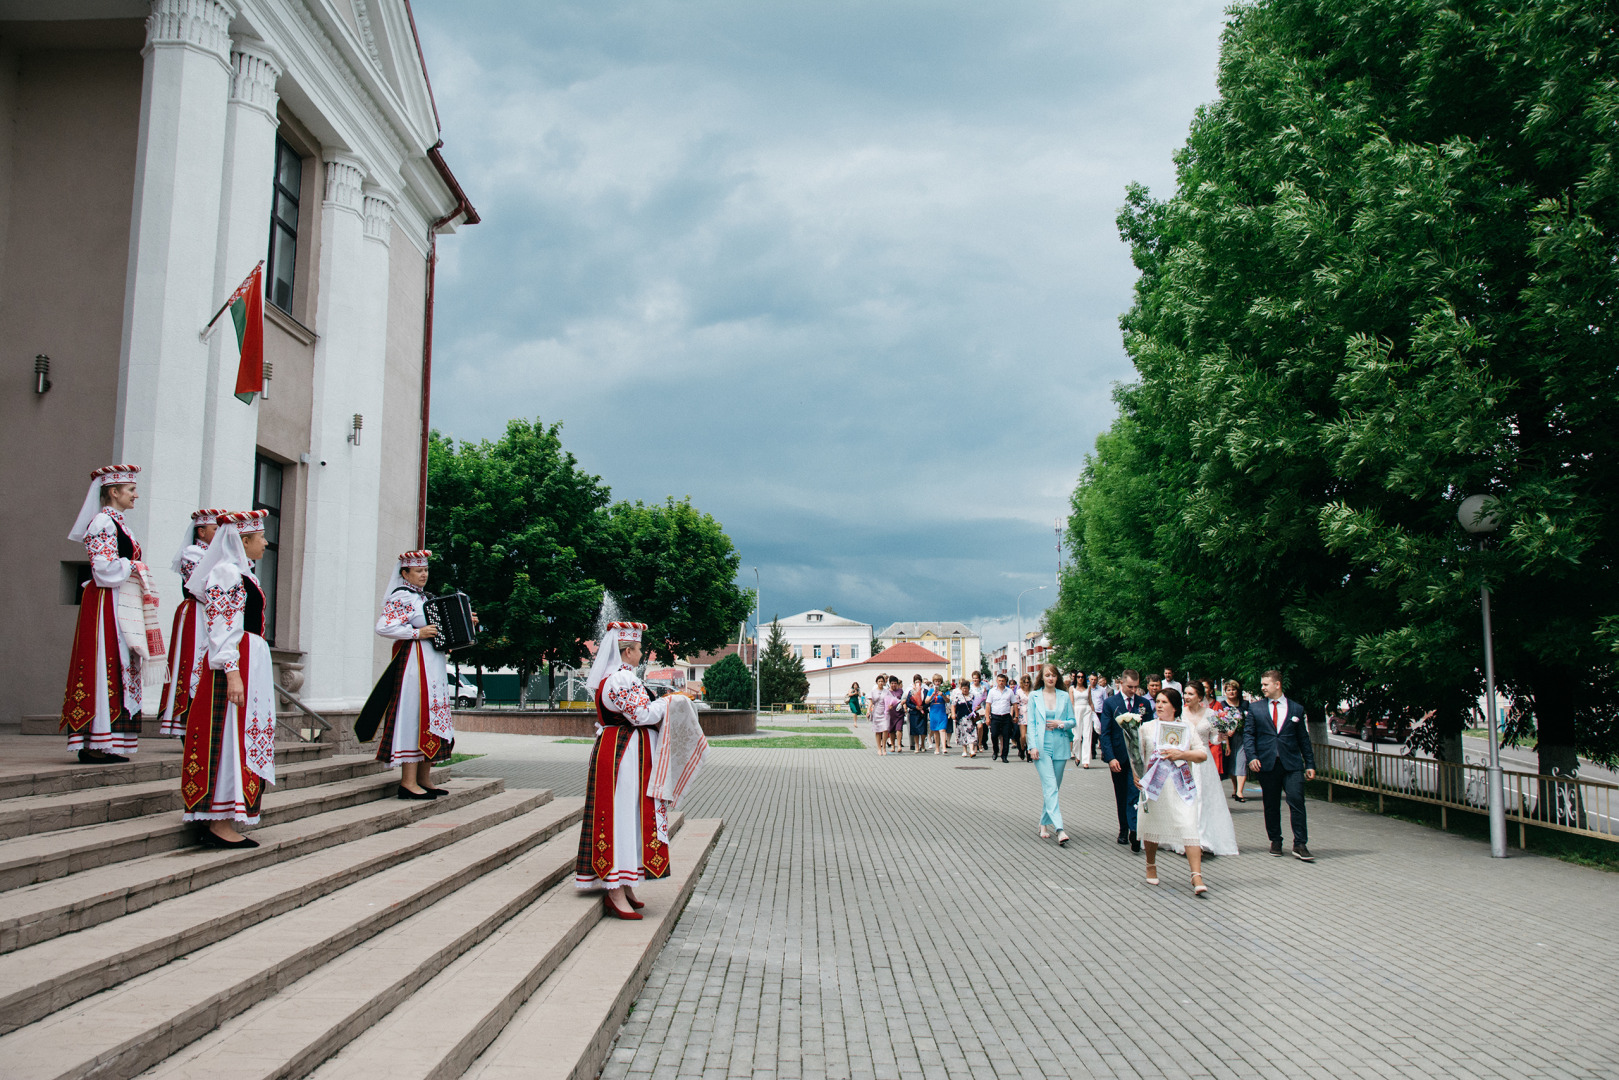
x=511, y=523
x=781, y=674
x=673, y=567
x=1385, y=282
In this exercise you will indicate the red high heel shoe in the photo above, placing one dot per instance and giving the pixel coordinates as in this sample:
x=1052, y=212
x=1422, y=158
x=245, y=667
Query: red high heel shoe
x=617, y=914
x=632, y=901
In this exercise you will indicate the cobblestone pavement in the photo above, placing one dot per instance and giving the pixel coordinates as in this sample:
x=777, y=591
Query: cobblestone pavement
x=870, y=917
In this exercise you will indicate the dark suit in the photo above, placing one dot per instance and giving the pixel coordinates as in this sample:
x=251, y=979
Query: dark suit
x=1115, y=747
x=1283, y=755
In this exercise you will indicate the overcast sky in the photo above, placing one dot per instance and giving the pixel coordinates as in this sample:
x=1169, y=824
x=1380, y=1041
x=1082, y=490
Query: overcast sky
x=846, y=274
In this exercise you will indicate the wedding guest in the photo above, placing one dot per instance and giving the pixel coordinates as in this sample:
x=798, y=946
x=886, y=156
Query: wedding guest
x=854, y=699
x=879, y=714
x=1215, y=833
x=980, y=691
x=938, y=713
x=1100, y=692
x=961, y=703
x=1025, y=685
x=1171, y=814
x=1168, y=682
x=896, y=715
x=1279, y=752
x=1050, y=739
x=916, y=713
x=1084, y=718
x=1233, y=703
x=999, y=704
x=1128, y=702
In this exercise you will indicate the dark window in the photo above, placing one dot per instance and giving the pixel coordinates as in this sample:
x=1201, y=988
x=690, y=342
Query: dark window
x=267, y=496
x=289, y=176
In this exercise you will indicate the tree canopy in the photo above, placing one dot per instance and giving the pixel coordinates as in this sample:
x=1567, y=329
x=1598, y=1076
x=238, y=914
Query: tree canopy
x=729, y=681
x=1384, y=282
x=533, y=540
x=781, y=674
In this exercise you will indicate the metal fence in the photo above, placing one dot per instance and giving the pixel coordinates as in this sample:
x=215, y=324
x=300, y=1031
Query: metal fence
x=1566, y=803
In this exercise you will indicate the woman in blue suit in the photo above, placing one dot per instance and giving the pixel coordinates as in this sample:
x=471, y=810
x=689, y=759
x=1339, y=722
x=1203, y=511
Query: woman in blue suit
x=1051, y=744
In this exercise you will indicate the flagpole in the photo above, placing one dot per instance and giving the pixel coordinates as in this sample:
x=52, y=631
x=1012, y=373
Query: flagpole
x=231, y=299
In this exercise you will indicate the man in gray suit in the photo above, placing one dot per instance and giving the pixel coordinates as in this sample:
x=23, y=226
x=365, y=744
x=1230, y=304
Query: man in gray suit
x=1277, y=742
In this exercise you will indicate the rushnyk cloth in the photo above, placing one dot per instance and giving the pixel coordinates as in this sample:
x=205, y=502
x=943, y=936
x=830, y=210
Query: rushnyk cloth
x=681, y=752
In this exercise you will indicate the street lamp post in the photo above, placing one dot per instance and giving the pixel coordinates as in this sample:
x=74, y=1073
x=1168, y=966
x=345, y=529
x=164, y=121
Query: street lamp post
x=1020, y=597
x=1477, y=515
x=758, y=639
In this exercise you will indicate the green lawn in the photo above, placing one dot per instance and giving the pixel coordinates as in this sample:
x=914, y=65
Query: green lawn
x=825, y=729
x=456, y=759
x=796, y=742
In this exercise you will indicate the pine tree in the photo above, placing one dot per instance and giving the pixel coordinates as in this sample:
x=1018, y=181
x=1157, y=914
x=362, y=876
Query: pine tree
x=730, y=682
x=781, y=674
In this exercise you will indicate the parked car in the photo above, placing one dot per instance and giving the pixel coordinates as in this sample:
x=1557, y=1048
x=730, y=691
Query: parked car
x=1390, y=729
x=464, y=689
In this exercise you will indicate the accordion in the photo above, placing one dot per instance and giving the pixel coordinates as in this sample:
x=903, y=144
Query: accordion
x=452, y=614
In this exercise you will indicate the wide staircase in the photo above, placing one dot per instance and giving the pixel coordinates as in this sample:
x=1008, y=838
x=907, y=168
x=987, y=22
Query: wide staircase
x=366, y=937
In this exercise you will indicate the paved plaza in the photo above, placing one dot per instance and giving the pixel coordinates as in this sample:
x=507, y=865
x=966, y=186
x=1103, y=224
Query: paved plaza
x=873, y=917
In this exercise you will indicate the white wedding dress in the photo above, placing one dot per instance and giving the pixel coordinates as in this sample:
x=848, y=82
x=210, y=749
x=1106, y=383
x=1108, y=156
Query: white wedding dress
x=1216, y=835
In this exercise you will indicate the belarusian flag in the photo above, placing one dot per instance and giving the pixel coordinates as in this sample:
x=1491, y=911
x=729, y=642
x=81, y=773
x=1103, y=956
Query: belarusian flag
x=247, y=312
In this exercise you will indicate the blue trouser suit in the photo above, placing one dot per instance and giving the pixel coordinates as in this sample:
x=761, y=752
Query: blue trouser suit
x=1050, y=765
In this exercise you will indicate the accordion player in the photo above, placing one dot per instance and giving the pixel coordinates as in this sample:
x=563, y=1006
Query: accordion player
x=452, y=614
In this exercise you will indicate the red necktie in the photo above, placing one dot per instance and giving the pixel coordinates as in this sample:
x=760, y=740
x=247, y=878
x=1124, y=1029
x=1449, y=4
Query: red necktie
x=1276, y=715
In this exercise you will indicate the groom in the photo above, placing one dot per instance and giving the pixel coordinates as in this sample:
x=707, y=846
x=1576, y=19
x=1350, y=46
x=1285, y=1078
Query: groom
x=1116, y=752
x=1277, y=742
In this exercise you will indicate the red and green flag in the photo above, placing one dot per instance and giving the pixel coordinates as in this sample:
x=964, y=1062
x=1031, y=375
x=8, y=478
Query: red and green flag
x=246, y=307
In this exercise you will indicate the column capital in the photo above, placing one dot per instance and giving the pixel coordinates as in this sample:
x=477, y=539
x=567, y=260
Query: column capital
x=344, y=175
x=379, y=216
x=254, y=70
x=203, y=25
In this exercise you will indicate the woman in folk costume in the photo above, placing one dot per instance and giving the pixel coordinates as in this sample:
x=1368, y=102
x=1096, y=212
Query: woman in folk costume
x=102, y=706
x=230, y=721
x=625, y=836
x=188, y=640
x=411, y=702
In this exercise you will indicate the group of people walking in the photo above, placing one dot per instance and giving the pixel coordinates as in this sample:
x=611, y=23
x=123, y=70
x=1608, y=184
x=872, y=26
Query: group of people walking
x=1167, y=750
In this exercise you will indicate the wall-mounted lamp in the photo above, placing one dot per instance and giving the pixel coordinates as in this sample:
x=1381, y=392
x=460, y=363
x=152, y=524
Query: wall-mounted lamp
x=42, y=373
x=264, y=393
x=354, y=433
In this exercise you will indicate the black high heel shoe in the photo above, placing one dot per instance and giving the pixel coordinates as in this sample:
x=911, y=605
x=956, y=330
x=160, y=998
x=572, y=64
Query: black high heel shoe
x=416, y=796
x=211, y=839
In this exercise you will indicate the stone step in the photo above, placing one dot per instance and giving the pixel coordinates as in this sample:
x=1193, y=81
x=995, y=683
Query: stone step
x=124, y=1030
x=293, y=1032
x=36, y=913
x=94, y=806
x=565, y=1030
x=39, y=980
x=69, y=775
x=440, y=1031
x=25, y=860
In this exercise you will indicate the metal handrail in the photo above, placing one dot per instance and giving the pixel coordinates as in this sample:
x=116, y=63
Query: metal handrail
x=326, y=725
x=1565, y=803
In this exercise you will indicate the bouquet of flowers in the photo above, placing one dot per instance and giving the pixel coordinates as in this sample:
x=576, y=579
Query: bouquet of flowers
x=1130, y=724
x=1226, y=719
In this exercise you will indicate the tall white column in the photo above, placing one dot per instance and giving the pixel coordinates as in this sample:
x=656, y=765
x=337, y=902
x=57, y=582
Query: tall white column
x=169, y=283
x=230, y=428
x=340, y=555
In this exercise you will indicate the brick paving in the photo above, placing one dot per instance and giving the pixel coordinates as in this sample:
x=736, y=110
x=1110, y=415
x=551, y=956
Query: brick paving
x=870, y=917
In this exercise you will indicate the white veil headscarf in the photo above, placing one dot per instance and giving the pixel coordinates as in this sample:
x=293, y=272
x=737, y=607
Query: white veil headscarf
x=201, y=517
x=608, y=659
x=107, y=475
x=226, y=548
x=406, y=560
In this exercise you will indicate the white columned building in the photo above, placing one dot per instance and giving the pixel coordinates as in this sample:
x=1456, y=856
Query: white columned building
x=174, y=235
x=250, y=125
x=152, y=152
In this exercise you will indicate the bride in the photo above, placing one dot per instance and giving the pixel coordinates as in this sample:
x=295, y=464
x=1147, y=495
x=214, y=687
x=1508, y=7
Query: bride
x=1215, y=833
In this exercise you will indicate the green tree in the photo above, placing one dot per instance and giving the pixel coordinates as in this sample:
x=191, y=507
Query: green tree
x=876, y=646
x=781, y=674
x=510, y=523
x=729, y=681
x=672, y=567
x=1384, y=282
x=983, y=665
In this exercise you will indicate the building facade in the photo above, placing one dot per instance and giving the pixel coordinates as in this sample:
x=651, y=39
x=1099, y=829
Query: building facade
x=152, y=152
x=953, y=641
x=819, y=636
x=903, y=661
